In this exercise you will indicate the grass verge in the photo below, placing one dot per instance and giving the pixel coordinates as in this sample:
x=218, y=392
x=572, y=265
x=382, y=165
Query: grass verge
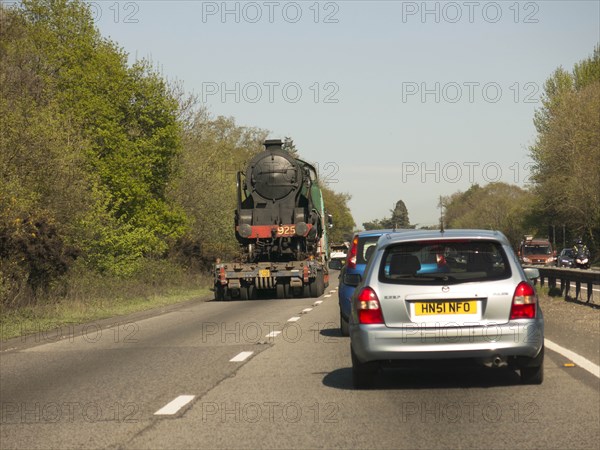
x=44, y=318
x=86, y=297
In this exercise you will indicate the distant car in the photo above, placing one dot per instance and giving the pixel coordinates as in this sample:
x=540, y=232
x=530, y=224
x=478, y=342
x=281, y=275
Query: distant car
x=485, y=310
x=536, y=251
x=566, y=258
x=363, y=244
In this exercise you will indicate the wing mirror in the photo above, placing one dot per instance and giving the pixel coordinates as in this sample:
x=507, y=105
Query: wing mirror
x=352, y=279
x=532, y=273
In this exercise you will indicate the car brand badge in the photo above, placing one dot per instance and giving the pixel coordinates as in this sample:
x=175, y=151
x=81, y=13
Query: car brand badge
x=445, y=289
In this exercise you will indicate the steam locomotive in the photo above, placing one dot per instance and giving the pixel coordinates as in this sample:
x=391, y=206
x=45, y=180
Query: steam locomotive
x=279, y=215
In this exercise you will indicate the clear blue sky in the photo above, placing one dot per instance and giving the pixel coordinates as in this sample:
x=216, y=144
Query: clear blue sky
x=392, y=100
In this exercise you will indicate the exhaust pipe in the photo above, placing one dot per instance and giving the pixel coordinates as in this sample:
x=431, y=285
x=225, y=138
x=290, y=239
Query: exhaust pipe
x=497, y=361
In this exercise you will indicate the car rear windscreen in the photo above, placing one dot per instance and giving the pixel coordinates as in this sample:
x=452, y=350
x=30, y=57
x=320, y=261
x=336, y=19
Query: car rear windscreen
x=444, y=262
x=366, y=246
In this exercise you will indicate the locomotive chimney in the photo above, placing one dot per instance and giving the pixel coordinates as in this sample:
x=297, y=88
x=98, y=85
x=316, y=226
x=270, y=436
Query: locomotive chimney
x=273, y=144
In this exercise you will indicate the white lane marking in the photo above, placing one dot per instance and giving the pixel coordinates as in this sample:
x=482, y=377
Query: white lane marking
x=327, y=296
x=306, y=310
x=273, y=334
x=294, y=319
x=318, y=302
x=240, y=357
x=332, y=291
x=577, y=359
x=175, y=405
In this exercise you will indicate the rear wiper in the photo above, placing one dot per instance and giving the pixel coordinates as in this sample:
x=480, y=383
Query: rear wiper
x=413, y=275
x=439, y=276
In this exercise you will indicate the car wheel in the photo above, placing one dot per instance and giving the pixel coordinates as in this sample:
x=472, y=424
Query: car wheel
x=344, y=326
x=362, y=373
x=534, y=374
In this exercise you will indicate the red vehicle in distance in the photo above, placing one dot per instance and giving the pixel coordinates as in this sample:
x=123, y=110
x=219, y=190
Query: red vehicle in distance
x=536, y=251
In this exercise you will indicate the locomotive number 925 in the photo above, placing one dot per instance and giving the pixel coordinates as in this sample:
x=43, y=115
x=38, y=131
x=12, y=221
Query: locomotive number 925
x=286, y=230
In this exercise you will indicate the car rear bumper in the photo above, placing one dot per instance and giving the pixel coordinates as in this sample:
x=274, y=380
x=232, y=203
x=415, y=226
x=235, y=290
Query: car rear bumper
x=515, y=339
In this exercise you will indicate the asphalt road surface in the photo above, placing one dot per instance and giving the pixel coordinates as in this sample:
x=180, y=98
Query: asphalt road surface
x=276, y=374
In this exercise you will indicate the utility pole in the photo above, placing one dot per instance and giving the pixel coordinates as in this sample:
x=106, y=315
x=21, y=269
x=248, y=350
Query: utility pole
x=441, y=215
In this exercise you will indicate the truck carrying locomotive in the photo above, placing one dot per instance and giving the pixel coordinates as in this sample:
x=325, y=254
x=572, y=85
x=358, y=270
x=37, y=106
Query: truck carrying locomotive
x=281, y=225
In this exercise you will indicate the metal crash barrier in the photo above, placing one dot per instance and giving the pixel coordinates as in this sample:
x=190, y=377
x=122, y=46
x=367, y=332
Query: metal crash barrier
x=588, y=278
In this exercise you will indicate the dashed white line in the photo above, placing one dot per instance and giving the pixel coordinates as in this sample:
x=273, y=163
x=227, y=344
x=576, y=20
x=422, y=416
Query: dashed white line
x=273, y=334
x=306, y=310
x=327, y=296
x=318, y=302
x=332, y=291
x=582, y=362
x=241, y=357
x=175, y=405
x=294, y=319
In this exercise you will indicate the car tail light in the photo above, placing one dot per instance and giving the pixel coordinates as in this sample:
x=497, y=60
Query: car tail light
x=352, y=255
x=369, y=309
x=524, y=302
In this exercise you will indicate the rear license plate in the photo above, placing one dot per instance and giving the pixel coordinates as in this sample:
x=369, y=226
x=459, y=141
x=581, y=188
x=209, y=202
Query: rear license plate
x=436, y=308
x=264, y=273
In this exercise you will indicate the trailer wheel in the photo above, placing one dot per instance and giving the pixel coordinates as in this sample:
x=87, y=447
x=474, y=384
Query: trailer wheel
x=314, y=287
x=320, y=283
x=221, y=293
x=280, y=290
x=306, y=290
x=251, y=292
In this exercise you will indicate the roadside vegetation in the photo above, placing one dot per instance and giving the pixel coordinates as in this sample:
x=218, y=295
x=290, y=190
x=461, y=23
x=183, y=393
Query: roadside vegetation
x=117, y=188
x=564, y=192
x=562, y=198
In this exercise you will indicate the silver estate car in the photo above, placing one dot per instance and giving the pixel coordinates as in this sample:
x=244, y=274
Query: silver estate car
x=456, y=294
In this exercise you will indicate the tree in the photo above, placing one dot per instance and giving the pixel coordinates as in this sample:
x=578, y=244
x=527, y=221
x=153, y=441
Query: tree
x=399, y=219
x=214, y=150
x=496, y=206
x=290, y=147
x=336, y=204
x=566, y=175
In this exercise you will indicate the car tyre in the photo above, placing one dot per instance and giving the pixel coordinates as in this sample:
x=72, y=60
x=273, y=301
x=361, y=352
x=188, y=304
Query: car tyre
x=534, y=374
x=363, y=374
x=344, y=326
